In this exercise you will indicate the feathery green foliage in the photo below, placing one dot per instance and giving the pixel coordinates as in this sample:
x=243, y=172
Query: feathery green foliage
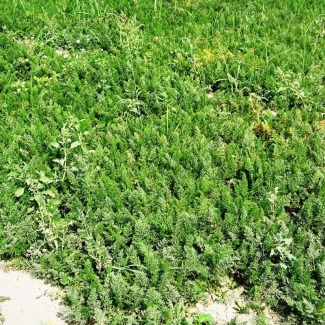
x=122, y=181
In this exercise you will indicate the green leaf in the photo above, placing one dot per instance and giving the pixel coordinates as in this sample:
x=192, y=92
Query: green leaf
x=20, y=191
x=291, y=256
x=37, y=198
x=288, y=241
x=281, y=89
x=55, y=202
x=59, y=161
x=45, y=179
x=206, y=319
x=49, y=192
x=321, y=307
x=75, y=144
x=55, y=145
x=283, y=266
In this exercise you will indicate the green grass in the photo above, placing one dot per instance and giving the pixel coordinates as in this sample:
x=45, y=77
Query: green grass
x=124, y=183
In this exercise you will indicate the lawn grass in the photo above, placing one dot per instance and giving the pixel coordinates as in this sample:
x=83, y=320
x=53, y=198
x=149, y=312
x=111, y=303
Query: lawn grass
x=123, y=182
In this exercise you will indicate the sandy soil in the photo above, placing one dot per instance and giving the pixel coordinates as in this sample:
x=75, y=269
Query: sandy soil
x=28, y=301
x=227, y=309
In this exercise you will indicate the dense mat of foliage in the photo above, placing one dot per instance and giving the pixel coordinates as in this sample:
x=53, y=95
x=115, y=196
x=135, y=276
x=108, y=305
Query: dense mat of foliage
x=123, y=182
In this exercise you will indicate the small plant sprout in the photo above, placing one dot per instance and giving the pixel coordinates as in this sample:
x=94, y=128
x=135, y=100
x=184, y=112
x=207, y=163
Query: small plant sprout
x=66, y=145
x=241, y=308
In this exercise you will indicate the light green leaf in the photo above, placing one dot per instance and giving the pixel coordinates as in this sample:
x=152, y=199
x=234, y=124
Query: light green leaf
x=59, y=161
x=282, y=89
x=283, y=266
x=288, y=241
x=55, y=145
x=37, y=198
x=75, y=144
x=49, y=192
x=45, y=179
x=20, y=191
x=291, y=256
x=206, y=319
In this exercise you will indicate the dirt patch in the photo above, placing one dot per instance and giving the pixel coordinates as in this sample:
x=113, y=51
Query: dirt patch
x=231, y=305
x=27, y=301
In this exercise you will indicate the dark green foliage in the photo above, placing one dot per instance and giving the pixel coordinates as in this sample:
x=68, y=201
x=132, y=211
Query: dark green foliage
x=123, y=182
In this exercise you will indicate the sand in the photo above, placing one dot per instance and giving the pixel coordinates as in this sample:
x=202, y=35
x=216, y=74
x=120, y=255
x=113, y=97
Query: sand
x=30, y=300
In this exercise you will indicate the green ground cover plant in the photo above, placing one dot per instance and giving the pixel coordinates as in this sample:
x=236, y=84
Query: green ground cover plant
x=123, y=182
